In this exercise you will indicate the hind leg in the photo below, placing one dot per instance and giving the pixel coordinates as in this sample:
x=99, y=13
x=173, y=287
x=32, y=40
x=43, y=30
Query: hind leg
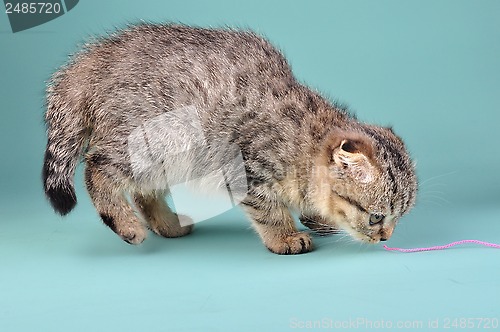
x=160, y=217
x=112, y=205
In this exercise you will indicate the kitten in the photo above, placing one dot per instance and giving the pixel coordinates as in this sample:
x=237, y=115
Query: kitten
x=191, y=100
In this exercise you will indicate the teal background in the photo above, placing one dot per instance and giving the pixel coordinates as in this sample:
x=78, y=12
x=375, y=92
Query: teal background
x=429, y=68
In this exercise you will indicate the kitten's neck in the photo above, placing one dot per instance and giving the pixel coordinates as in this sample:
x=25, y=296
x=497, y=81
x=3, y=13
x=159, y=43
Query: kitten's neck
x=320, y=119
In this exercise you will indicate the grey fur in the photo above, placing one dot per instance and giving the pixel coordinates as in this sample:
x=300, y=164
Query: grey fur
x=292, y=141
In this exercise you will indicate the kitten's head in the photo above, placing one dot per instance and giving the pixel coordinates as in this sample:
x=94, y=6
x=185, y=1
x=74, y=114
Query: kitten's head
x=364, y=181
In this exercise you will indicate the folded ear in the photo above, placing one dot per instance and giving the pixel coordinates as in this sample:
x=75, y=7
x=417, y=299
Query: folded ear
x=354, y=157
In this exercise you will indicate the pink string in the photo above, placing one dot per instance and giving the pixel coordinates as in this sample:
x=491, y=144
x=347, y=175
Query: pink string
x=488, y=244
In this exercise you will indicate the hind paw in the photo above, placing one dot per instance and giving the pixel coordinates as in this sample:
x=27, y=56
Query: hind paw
x=173, y=227
x=134, y=236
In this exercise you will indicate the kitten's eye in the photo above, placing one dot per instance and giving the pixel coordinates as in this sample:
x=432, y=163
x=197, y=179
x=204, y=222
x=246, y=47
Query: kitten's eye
x=376, y=218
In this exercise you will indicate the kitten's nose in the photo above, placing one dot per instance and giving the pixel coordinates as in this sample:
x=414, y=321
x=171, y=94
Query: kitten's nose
x=383, y=239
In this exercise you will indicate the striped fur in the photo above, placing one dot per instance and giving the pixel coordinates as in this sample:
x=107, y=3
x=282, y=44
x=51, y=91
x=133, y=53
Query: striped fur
x=300, y=152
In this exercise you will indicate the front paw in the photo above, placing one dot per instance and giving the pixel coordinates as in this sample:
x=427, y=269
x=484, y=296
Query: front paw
x=297, y=243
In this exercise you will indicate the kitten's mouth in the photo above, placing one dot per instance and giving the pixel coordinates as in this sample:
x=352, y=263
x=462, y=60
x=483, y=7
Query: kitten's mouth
x=363, y=237
x=323, y=229
x=369, y=240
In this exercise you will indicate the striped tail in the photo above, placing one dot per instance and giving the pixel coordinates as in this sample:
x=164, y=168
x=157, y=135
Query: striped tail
x=66, y=138
x=58, y=183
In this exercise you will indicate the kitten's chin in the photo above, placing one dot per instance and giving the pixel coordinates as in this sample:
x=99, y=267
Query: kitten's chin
x=360, y=237
x=371, y=240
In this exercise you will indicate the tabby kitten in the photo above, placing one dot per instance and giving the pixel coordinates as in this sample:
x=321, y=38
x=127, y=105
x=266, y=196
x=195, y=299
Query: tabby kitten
x=237, y=93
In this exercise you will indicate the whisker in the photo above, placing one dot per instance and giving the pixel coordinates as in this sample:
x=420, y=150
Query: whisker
x=437, y=177
x=435, y=198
